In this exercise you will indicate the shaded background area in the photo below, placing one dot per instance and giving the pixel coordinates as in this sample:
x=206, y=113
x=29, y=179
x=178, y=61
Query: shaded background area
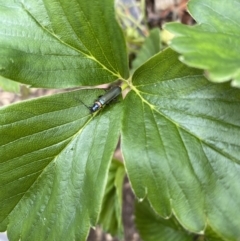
x=154, y=14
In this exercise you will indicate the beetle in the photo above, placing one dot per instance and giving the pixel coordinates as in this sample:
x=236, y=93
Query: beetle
x=106, y=98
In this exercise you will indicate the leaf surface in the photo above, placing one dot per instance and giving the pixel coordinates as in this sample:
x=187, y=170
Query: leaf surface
x=54, y=164
x=213, y=44
x=181, y=145
x=60, y=43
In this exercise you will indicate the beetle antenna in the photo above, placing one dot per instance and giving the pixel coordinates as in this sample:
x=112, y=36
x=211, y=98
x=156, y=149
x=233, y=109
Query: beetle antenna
x=82, y=103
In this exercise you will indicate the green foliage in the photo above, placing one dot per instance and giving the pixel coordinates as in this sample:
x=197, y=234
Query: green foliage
x=58, y=44
x=185, y=131
x=52, y=173
x=111, y=213
x=150, y=47
x=152, y=227
x=179, y=132
x=9, y=85
x=213, y=44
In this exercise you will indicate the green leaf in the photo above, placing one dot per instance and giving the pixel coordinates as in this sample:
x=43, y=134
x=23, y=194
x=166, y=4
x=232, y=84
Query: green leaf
x=181, y=145
x=9, y=85
x=150, y=47
x=152, y=227
x=60, y=43
x=213, y=44
x=111, y=214
x=54, y=163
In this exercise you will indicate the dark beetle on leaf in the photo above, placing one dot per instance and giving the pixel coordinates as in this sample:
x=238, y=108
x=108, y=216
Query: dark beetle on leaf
x=105, y=99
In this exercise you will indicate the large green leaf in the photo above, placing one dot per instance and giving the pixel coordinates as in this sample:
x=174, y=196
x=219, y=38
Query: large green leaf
x=111, y=213
x=213, y=44
x=54, y=160
x=61, y=43
x=152, y=227
x=181, y=145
